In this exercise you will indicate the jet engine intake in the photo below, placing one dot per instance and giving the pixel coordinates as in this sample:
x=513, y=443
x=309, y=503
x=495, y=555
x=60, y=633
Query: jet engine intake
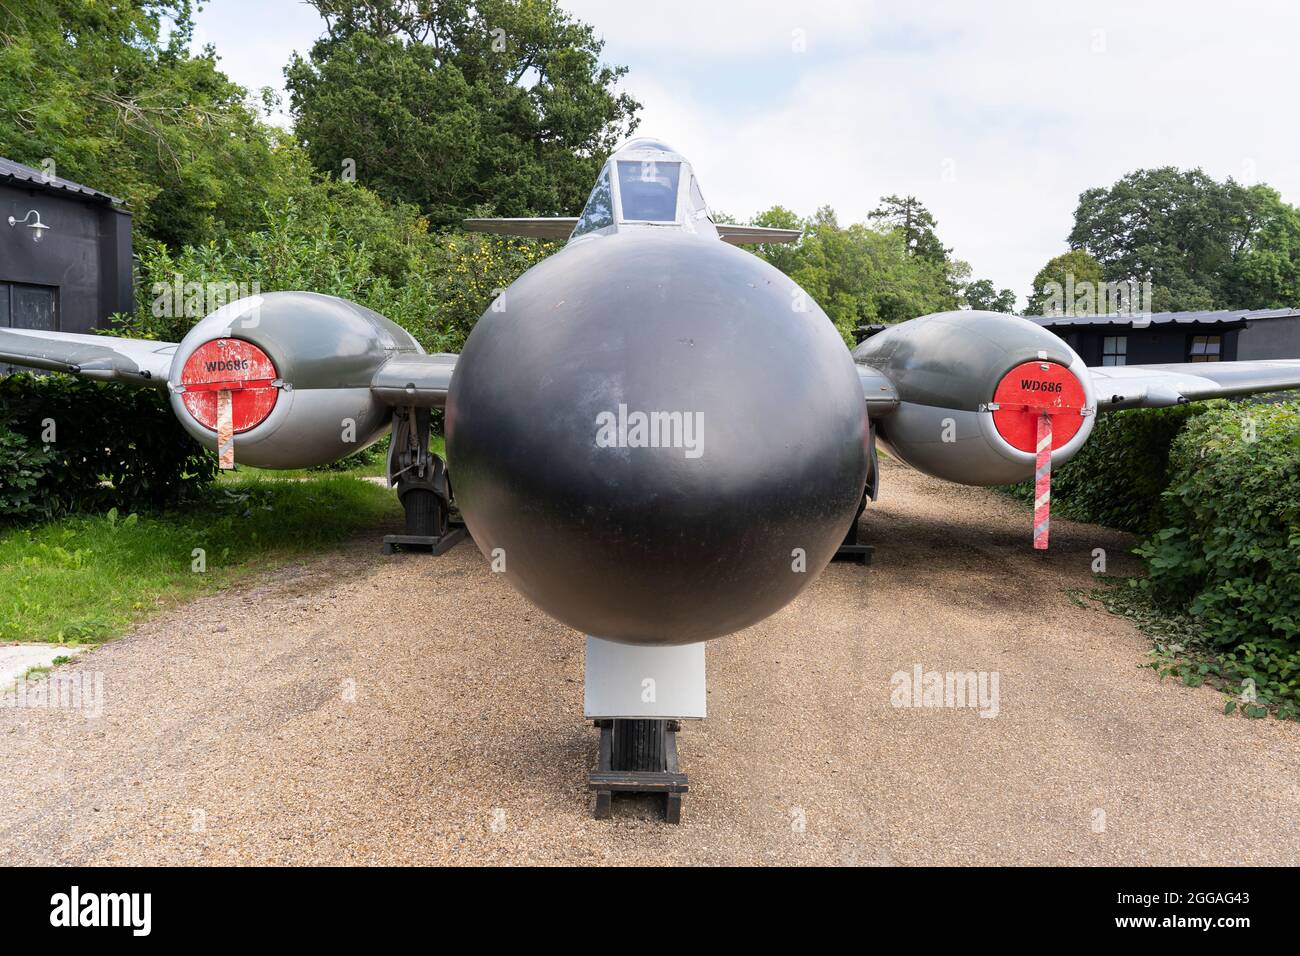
x=295, y=370
x=971, y=388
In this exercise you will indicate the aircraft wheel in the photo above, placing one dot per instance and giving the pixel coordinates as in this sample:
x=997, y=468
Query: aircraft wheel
x=426, y=513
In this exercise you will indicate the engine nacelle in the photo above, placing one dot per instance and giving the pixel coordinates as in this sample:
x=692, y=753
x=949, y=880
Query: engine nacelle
x=298, y=367
x=970, y=386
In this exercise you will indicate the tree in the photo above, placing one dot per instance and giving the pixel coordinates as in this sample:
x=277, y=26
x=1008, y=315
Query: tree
x=1066, y=271
x=859, y=274
x=92, y=92
x=783, y=255
x=1202, y=244
x=503, y=104
x=915, y=222
x=1265, y=274
x=981, y=296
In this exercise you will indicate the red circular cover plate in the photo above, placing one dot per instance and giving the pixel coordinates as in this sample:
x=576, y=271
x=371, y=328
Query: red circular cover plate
x=234, y=365
x=1027, y=390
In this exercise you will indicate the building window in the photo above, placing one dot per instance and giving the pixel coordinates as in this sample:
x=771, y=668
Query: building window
x=1206, y=348
x=1114, y=350
x=25, y=306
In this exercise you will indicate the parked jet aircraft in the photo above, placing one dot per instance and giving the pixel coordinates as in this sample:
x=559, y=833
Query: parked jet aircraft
x=660, y=438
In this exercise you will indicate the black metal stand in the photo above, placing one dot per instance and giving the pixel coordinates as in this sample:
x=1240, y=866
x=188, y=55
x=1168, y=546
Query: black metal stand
x=851, y=550
x=431, y=544
x=638, y=756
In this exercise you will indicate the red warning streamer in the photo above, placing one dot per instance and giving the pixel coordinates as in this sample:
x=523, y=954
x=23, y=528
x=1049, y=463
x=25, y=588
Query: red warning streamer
x=1043, y=482
x=225, y=430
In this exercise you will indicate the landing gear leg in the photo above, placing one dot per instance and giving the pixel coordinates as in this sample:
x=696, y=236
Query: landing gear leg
x=423, y=487
x=851, y=550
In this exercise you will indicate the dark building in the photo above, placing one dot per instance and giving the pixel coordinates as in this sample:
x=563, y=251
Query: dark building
x=65, y=253
x=1168, y=337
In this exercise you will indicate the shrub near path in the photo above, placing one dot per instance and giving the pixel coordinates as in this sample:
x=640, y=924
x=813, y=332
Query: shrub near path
x=1229, y=551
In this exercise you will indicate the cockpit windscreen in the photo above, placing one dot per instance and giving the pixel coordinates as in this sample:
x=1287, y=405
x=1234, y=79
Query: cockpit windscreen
x=649, y=190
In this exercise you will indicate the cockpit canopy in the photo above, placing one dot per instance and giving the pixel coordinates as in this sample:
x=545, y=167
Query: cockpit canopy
x=648, y=190
x=645, y=184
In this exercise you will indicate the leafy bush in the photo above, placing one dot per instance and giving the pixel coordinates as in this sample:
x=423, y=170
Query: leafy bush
x=1118, y=476
x=1230, y=548
x=70, y=445
x=22, y=471
x=340, y=239
x=1179, y=650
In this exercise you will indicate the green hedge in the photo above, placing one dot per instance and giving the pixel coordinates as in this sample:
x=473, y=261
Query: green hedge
x=1118, y=476
x=1230, y=549
x=111, y=447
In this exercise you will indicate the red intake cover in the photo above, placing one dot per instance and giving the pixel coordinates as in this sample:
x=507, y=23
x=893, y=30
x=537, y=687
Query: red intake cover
x=1030, y=389
x=232, y=365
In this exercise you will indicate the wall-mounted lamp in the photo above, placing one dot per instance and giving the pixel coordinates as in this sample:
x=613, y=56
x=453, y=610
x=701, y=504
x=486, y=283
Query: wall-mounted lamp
x=38, y=226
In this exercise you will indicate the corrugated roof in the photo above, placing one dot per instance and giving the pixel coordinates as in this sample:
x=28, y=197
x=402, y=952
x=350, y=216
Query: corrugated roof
x=17, y=172
x=1203, y=317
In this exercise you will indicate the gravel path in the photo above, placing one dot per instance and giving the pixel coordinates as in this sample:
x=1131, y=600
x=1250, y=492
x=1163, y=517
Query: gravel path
x=363, y=709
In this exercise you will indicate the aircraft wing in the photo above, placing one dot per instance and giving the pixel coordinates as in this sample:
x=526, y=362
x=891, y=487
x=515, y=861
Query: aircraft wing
x=414, y=379
x=560, y=227
x=878, y=390
x=1157, y=386
x=745, y=235
x=106, y=357
x=538, y=227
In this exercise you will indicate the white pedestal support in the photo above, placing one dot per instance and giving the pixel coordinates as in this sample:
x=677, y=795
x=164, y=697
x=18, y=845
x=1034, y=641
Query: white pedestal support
x=633, y=681
x=637, y=696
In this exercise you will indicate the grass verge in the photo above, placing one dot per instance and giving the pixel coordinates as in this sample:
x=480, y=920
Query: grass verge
x=88, y=579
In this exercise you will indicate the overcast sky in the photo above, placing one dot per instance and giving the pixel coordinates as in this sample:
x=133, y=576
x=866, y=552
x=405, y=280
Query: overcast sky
x=996, y=115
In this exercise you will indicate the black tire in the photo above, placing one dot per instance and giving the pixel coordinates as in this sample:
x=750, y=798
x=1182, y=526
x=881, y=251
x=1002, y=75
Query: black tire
x=426, y=513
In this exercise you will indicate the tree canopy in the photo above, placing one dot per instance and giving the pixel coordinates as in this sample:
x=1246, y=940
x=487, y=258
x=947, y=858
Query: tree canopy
x=1068, y=269
x=1202, y=244
x=982, y=296
x=500, y=106
x=96, y=93
x=916, y=224
x=860, y=274
x=412, y=114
